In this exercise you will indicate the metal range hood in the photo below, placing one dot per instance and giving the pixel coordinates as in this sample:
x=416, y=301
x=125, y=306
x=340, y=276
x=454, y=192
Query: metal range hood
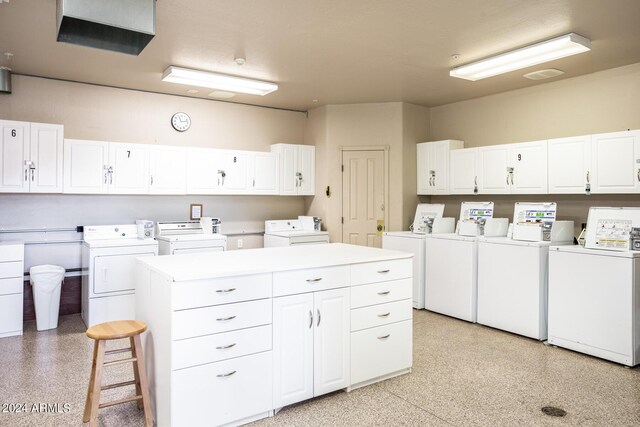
x=125, y=26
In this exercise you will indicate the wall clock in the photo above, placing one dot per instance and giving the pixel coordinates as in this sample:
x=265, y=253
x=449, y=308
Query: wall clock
x=181, y=122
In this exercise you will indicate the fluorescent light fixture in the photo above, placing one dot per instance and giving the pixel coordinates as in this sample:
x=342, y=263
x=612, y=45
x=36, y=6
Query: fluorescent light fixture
x=556, y=48
x=189, y=77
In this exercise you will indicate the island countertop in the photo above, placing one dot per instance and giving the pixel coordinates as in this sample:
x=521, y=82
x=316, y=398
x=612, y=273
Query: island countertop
x=207, y=265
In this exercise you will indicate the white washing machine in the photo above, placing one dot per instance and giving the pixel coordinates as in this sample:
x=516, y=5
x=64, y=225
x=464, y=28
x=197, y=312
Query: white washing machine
x=512, y=274
x=594, y=294
x=291, y=232
x=109, y=255
x=184, y=237
x=413, y=242
x=451, y=280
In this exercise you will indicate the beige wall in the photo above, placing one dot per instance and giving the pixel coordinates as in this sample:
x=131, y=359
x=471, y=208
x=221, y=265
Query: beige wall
x=600, y=102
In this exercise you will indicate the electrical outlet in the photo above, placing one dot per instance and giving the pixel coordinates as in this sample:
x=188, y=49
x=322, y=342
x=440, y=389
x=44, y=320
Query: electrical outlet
x=240, y=243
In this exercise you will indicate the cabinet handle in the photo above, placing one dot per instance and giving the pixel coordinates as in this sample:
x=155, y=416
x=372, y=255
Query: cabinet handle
x=314, y=280
x=310, y=319
x=384, y=293
x=383, y=271
x=384, y=337
x=110, y=172
x=32, y=174
x=511, y=179
x=507, y=179
x=151, y=179
x=105, y=177
x=588, y=176
x=638, y=175
x=254, y=182
x=26, y=172
x=224, y=319
x=318, y=317
x=224, y=347
x=228, y=374
x=384, y=315
x=475, y=180
x=221, y=291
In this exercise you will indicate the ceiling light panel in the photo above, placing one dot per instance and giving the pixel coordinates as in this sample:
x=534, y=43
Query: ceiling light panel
x=559, y=47
x=217, y=81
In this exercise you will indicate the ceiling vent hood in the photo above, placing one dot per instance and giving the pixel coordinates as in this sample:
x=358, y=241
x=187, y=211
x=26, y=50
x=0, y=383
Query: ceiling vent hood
x=125, y=26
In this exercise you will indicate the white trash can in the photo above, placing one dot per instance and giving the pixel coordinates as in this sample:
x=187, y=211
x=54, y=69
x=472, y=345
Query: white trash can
x=46, y=281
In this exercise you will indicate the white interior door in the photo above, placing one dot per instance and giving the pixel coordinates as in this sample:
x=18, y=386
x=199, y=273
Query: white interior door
x=529, y=162
x=85, y=166
x=331, y=341
x=569, y=162
x=14, y=152
x=616, y=162
x=306, y=167
x=264, y=168
x=167, y=170
x=202, y=171
x=464, y=174
x=363, y=197
x=46, y=157
x=493, y=177
x=130, y=163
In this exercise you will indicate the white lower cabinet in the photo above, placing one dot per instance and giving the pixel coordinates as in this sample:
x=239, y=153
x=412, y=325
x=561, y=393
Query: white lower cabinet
x=310, y=345
x=11, y=288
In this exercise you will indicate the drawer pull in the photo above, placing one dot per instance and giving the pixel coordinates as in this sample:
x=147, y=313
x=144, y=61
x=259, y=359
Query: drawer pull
x=224, y=347
x=228, y=374
x=224, y=319
x=224, y=291
x=383, y=271
x=384, y=337
x=384, y=315
x=314, y=280
x=384, y=293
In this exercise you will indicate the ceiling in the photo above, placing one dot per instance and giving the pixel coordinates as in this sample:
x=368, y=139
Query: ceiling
x=332, y=51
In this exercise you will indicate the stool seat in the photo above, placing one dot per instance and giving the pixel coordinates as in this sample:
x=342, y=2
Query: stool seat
x=116, y=329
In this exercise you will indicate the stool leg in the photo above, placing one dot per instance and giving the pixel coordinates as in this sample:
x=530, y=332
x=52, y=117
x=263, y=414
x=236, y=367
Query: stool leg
x=139, y=366
x=92, y=378
x=97, y=385
x=135, y=373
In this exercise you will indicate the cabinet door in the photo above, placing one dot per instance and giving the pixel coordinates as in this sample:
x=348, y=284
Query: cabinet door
x=202, y=173
x=233, y=165
x=331, y=361
x=439, y=160
x=264, y=173
x=493, y=177
x=529, y=163
x=424, y=178
x=288, y=165
x=569, y=163
x=46, y=158
x=168, y=170
x=130, y=165
x=307, y=169
x=616, y=162
x=14, y=153
x=293, y=324
x=463, y=171
x=85, y=166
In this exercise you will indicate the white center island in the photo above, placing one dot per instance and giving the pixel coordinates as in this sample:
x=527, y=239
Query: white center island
x=235, y=336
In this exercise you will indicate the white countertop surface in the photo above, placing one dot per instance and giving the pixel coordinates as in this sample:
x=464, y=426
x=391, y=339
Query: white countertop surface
x=209, y=265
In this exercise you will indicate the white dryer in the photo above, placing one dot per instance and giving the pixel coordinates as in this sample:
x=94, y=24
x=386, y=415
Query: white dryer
x=291, y=232
x=184, y=237
x=109, y=255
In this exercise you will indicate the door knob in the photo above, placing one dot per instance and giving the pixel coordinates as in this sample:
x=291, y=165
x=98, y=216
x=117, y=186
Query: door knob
x=379, y=228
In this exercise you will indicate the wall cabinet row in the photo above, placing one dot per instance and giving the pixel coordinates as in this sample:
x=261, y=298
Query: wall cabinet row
x=30, y=157
x=602, y=164
x=98, y=167
x=433, y=166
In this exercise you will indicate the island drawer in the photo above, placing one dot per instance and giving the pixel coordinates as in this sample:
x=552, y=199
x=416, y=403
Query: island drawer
x=224, y=392
x=13, y=285
x=379, y=271
x=201, y=293
x=12, y=252
x=310, y=280
x=11, y=269
x=217, y=347
x=381, y=292
x=383, y=314
x=380, y=351
x=220, y=318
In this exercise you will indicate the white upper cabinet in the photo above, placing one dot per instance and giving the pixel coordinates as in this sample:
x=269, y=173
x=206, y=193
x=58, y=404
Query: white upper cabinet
x=167, y=170
x=433, y=166
x=297, y=164
x=97, y=167
x=232, y=168
x=463, y=176
x=30, y=157
x=513, y=168
x=263, y=173
x=202, y=174
x=569, y=162
x=616, y=162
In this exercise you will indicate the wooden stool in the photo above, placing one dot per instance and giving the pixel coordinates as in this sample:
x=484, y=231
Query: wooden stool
x=101, y=334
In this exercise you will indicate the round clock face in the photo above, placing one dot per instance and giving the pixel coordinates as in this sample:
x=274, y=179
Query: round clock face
x=181, y=122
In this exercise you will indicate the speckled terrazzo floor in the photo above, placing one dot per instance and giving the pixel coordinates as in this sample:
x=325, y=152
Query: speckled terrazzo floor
x=464, y=375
